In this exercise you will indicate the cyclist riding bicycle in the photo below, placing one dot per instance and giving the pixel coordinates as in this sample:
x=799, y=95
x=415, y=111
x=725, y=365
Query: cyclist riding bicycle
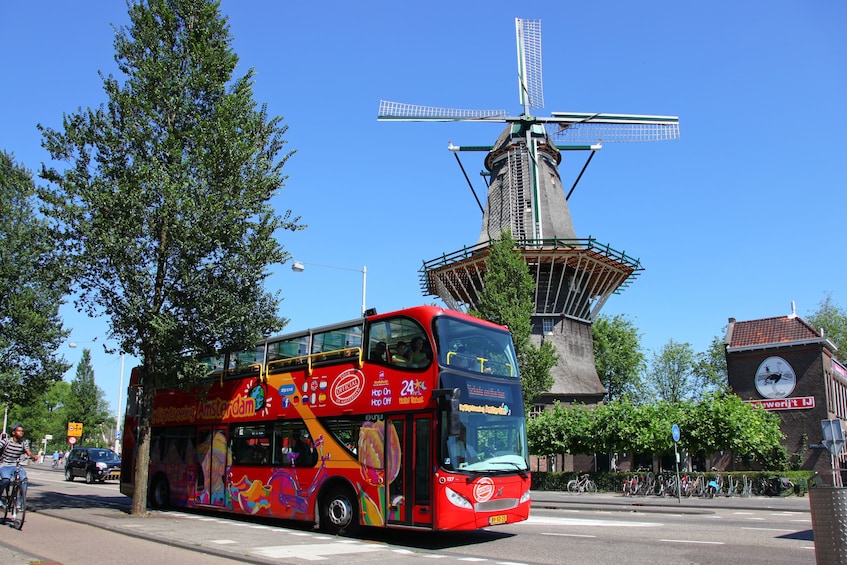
x=11, y=450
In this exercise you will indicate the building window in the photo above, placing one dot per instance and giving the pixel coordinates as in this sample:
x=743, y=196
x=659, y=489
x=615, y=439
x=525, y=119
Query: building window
x=535, y=410
x=547, y=325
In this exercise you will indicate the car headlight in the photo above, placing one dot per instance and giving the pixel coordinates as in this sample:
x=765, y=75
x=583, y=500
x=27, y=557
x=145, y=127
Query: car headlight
x=102, y=466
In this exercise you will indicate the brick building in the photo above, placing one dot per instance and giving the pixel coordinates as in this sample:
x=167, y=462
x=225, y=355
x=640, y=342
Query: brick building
x=785, y=365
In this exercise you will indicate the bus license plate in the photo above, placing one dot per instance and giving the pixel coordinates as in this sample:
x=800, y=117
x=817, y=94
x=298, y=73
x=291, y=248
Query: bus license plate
x=499, y=519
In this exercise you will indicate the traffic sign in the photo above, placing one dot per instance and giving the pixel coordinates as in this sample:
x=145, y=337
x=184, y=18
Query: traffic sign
x=74, y=429
x=72, y=440
x=675, y=433
x=833, y=436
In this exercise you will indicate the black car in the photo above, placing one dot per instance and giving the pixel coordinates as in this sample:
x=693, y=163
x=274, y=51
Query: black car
x=93, y=463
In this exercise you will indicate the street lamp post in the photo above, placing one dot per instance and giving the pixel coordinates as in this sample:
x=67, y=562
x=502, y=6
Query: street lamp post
x=299, y=267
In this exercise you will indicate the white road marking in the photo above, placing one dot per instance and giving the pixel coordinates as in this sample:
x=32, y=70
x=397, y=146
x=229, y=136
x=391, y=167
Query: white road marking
x=692, y=541
x=589, y=522
x=768, y=529
x=312, y=552
x=569, y=535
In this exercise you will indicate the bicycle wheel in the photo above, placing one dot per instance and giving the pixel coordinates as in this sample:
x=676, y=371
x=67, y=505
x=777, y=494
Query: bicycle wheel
x=19, y=511
x=573, y=485
x=590, y=486
x=6, y=504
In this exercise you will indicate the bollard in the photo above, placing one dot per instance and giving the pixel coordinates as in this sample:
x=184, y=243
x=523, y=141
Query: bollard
x=829, y=524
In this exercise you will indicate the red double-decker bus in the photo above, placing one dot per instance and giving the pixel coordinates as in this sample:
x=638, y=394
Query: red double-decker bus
x=409, y=419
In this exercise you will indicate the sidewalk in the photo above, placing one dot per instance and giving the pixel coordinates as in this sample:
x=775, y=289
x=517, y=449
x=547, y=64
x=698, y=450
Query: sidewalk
x=616, y=501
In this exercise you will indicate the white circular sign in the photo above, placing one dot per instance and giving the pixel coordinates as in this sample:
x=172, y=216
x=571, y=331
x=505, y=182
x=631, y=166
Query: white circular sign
x=775, y=378
x=72, y=440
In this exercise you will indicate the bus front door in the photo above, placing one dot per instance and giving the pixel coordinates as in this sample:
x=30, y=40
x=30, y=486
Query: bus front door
x=211, y=463
x=410, y=493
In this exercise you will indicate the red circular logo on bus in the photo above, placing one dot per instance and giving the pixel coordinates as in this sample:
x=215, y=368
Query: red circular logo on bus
x=483, y=490
x=347, y=387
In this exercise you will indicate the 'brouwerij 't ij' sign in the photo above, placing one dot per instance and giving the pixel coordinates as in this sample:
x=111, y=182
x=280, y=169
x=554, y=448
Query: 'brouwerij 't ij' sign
x=796, y=403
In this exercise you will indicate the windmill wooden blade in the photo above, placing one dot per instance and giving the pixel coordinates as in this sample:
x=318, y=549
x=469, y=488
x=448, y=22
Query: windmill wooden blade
x=580, y=127
x=399, y=111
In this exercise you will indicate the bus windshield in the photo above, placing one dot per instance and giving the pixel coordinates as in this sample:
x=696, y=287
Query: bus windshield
x=481, y=363
x=492, y=435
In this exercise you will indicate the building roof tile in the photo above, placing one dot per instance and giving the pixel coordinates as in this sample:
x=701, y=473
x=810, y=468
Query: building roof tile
x=771, y=331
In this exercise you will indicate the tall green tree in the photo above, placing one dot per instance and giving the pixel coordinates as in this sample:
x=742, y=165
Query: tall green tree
x=86, y=402
x=710, y=369
x=164, y=204
x=833, y=320
x=507, y=299
x=55, y=402
x=671, y=376
x=31, y=291
x=618, y=356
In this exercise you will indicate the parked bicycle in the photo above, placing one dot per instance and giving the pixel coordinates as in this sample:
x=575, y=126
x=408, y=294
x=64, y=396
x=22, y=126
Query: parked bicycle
x=583, y=484
x=13, y=499
x=697, y=487
x=633, y=486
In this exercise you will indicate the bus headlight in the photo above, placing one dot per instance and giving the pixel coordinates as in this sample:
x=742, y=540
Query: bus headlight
x=525, y=497
x=457, y=499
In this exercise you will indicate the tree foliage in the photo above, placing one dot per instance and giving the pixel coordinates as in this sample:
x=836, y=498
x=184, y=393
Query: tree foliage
x=833, y=320
x=672, y=376
x=31, y=290
x=714, y=423
x=618, y=356
x=507, y=299
x=710, y=369
x=164, y=205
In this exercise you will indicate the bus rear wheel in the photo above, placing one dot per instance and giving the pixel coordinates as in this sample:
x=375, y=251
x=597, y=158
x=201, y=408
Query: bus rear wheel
x=340, y=512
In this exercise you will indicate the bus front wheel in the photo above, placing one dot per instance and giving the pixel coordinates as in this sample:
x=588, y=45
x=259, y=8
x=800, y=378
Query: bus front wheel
x=340, y=512
x=160, y=493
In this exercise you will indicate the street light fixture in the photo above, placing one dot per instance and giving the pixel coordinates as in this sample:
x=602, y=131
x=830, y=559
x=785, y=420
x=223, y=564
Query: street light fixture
x=299, y=267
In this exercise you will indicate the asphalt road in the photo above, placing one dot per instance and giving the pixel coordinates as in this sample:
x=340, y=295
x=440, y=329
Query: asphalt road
x=75, y=523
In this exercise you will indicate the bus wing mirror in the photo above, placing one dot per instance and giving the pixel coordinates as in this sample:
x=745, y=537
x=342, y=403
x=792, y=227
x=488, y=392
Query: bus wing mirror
x=453, y=417
x=451, y=396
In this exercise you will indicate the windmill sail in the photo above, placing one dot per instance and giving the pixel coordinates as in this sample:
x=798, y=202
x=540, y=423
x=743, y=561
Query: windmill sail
x=530, y=85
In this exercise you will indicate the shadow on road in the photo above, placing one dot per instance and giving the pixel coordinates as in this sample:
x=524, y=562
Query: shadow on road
x=805, y=535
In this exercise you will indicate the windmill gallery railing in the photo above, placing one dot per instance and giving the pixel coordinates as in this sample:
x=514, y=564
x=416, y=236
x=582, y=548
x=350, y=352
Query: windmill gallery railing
x=573, y=276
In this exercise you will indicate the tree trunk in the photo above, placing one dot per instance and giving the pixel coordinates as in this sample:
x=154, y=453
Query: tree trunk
x=142, y=447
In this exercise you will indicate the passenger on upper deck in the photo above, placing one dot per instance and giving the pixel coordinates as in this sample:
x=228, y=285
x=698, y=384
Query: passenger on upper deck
x=379, y=352
x=398, y=353
x=417, y=357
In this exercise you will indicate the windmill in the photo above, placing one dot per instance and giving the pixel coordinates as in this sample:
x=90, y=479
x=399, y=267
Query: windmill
x=573, y=277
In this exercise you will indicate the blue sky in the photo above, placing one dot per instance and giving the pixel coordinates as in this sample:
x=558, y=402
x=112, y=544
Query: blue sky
x=741, y=216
